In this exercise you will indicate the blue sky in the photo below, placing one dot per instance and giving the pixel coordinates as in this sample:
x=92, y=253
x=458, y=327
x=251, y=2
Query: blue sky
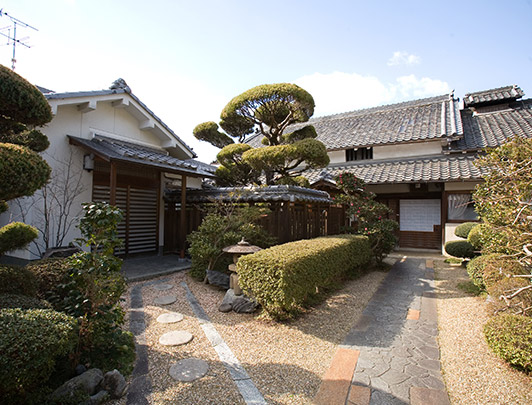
x=187, y=59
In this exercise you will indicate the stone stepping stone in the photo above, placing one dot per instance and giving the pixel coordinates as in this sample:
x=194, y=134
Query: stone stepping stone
x=170, y=317
x=175, y=338
x=188, y=370
x=163, y=287
x=165, y=300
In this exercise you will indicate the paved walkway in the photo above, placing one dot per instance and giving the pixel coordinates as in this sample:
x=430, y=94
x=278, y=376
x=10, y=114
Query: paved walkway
x=391, y=356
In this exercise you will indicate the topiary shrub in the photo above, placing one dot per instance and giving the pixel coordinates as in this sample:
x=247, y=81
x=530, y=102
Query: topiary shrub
x=497, y=268
x=475, y=269
x=16, y=235
x=475, y=237
x=460, y=248
x=22, y=302
x=283, y=278
x=17, y=280
x=510, y=337
x=31, y=341
x=462, y=230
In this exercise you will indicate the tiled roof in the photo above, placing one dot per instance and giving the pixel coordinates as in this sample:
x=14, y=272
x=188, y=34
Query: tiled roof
x=508, y=93
x=256, y=194
x=414, y=170
x=494, y=128
x=127, y=152
x=418, y=120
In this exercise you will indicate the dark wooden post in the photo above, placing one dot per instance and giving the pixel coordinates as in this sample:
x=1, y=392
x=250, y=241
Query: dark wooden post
x=183, y=218
x=112, y=185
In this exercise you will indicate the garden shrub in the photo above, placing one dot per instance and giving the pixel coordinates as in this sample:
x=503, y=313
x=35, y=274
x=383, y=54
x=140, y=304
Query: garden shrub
x=462, y=230
x=226, y=226
x=283, y=278
x=16, y=235
x=31, y=341
x=497, y=268
x=17, y=280
x=460, y=248
x=50, y=274
x=475, y=269
x=510, y=337
x=22, y=302
x=475, y=237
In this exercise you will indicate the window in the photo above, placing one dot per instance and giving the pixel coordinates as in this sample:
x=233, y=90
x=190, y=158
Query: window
x=460, y=207
x=358, y=154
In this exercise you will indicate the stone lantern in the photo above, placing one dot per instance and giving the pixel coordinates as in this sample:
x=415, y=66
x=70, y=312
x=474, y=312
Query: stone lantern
x=241, y=248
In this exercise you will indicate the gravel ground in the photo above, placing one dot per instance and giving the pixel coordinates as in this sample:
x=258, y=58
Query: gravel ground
x=472, y=373
x=285, y=361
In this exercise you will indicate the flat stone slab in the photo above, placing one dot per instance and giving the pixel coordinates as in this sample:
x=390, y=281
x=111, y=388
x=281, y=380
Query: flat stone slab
x=175, y=338
x=163, y=287
x=171, y=317
x=165, y=300
x=188, y=370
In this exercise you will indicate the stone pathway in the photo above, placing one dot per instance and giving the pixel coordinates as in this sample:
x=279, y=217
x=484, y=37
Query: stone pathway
x=391, y=356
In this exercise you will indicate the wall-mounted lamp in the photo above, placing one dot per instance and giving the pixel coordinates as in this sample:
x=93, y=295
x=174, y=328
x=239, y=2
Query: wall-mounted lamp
x=88, y=162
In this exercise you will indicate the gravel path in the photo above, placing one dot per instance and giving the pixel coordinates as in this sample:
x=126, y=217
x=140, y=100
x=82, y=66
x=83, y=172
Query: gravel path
x=472, y=373
x=285, y=361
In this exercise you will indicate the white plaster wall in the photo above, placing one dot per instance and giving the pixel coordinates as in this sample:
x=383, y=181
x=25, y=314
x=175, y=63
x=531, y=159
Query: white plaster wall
x=336, y=156
x=406, y=150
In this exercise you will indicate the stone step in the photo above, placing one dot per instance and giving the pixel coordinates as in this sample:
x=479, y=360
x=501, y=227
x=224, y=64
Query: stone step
x=170, y=317
x=188, y=370
x=175, y=338
x=165, y=300
x=163, y=287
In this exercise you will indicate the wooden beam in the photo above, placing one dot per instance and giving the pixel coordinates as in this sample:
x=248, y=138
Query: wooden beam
x=112, y=184
x=183, y=217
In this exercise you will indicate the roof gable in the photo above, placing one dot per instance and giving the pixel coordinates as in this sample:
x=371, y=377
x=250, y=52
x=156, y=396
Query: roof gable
x=120, y=96
x=493, y=96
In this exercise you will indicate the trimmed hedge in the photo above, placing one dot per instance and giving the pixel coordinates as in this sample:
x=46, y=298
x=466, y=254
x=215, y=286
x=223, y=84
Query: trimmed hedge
x=31, y=341
x=17, y=280
x=16, y=235
x=462, y=230
x=505, y=286
x=475, y=269
x=460, y=248
x=510, y=337
x=284, y=277
x=22, y=302
x=475, y=237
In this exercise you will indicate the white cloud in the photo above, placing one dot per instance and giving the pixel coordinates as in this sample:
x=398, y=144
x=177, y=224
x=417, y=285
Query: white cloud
x=339, y=92
x=403, y=58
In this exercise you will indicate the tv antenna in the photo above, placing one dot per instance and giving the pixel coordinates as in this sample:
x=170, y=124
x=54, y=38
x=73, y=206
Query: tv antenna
x=13, y=38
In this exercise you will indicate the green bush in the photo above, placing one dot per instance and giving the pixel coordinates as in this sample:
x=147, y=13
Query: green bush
x=475, y=237
x=16, y=235
x=17, y=280
x=285, y=277
x=51, y=274
x=510, y=337
x=22, y=302
x=462, y=230
x=460, y=248
x=31, y=341
x=475, y=269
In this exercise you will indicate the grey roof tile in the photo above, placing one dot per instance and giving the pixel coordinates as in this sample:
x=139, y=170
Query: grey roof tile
x=265, y=194
x=494, y=128
x=410, y=121
x=132, y=153
x=507, y=93
x=414, y=170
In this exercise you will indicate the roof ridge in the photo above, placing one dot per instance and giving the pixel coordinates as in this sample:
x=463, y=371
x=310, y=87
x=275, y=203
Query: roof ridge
x=509, y=87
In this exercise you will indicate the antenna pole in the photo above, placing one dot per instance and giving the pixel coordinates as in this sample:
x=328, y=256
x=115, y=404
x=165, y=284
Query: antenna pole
x=13, y=38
